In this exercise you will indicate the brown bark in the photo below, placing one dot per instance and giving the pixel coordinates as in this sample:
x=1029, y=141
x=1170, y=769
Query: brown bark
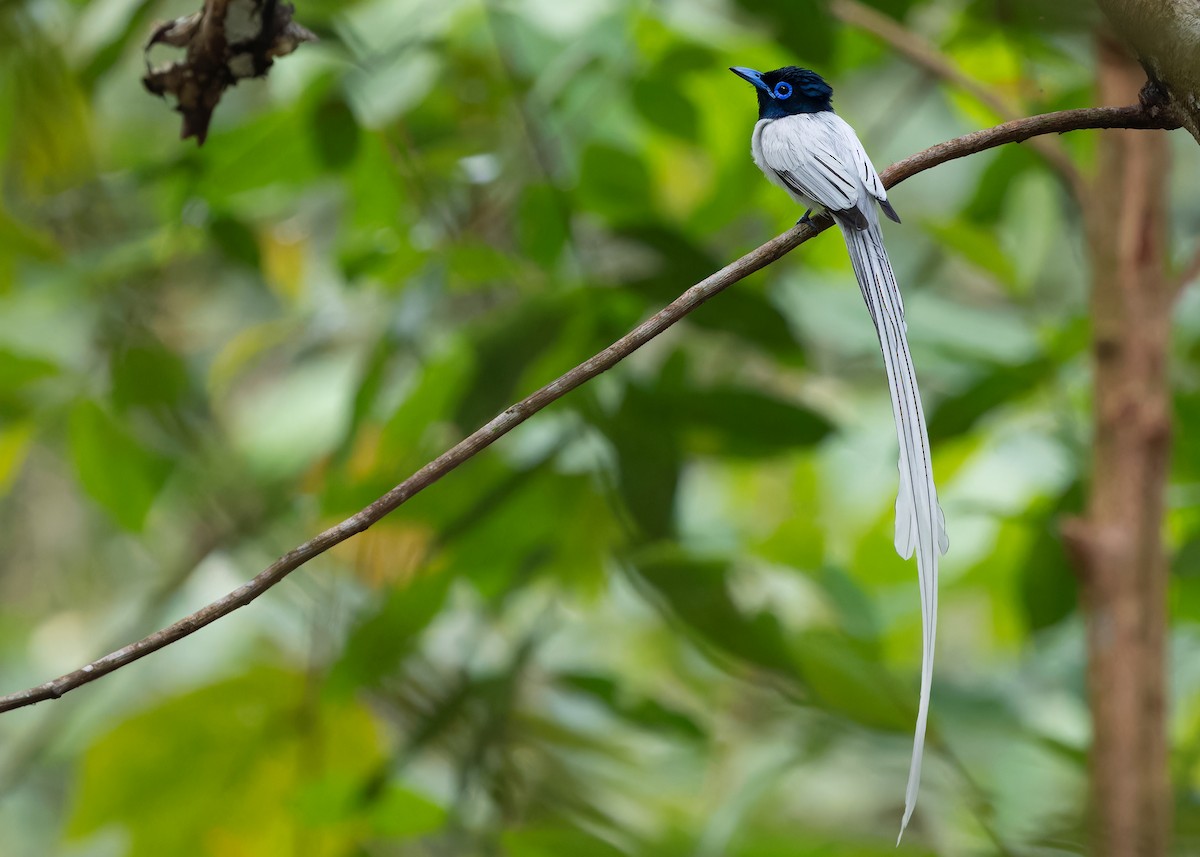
x=1119, y=545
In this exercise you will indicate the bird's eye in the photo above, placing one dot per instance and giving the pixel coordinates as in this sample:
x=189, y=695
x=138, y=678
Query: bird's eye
x=783, y=89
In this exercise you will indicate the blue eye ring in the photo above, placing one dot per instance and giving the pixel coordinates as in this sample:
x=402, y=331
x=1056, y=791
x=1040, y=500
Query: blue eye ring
x=782, y=90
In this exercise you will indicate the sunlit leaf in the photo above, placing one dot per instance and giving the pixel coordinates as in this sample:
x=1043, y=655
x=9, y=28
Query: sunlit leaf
x=15, y=441
x=17, y=370
x=247, y=734
x=554, y=842
x=403, y=814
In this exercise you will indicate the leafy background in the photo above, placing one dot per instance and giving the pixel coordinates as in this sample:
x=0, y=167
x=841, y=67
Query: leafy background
x=664, y=617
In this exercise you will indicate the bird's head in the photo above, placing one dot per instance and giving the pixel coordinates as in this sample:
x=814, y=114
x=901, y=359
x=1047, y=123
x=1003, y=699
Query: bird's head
x=787, y=91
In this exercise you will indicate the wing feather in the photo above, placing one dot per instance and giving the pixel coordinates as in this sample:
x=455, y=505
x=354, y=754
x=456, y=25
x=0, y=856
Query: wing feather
x=818, y=157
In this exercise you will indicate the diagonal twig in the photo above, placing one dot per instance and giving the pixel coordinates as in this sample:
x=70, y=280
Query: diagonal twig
x=925, y=55
x=1009, y=132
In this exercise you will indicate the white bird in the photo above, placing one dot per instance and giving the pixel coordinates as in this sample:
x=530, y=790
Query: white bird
x=808, y=150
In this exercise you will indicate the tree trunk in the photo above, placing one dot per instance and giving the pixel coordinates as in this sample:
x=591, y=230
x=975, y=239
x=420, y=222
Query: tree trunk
x=1119, y=545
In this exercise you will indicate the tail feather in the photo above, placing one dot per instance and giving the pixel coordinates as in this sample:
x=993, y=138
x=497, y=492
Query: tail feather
x=920, y=524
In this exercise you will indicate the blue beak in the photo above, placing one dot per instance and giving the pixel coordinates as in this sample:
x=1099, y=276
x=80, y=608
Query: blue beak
x=753, y=76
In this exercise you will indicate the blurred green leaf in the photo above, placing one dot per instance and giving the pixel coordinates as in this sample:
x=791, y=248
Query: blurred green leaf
x=739, y=311
x=17, y=370
x=641, y=711
x=999, y=177
x=504, y=533
x=977, y=245
x=477, y=263
x=1030, y=18
x=335, y=133
x=236, y=240
x=1048, y=579
x=664, y=105
x=995, y=387
x=555, y=842
x=379, y=644
x=18, y=240
x=696, y=593
x=404, y=814
x=147, y=375
x=118, y=473
x=131, y=32
x=405, y=437
x=648, y=463
x=246, y=734
x=859, y=617
x=615, y=183
x=506, y=345
x=843, y=677
x=804, y=26
x=15, y=442
x=1185, y=456
x=542, y=223
x=743, y=422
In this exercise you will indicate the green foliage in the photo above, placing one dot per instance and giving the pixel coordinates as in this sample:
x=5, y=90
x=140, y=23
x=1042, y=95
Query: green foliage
x=665, y=617
x=695, y=592
x=118, y=473
x=287, y=759
x=381, y=642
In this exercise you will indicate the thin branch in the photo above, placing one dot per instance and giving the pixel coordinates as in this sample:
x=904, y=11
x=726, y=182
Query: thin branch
x=925, y=55
x=23, y=754
x=708, y=288
x=918, y=51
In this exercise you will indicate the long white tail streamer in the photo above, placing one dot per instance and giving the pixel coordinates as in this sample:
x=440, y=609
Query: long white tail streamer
x=920, y=524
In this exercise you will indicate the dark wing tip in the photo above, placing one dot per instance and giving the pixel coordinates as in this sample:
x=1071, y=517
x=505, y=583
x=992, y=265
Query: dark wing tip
x=852, y=216
x=888, y=210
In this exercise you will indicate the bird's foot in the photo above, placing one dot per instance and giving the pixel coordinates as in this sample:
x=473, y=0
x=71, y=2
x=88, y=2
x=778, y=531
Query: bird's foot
x=1153, y=95
x=806, y=219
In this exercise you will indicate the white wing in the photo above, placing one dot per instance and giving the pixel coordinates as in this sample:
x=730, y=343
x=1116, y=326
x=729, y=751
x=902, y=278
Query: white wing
x=818, y=157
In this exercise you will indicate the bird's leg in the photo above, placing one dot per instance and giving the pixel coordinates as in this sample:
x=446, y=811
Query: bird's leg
x=806, y=219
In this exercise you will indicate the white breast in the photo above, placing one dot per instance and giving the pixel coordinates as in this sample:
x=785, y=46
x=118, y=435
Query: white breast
x=767, y=138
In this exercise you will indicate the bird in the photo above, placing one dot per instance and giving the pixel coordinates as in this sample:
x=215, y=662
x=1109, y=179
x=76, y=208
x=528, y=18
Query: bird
x=804, y=147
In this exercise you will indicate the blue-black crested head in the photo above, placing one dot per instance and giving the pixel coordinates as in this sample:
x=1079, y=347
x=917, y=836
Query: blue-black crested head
x=787, y=91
